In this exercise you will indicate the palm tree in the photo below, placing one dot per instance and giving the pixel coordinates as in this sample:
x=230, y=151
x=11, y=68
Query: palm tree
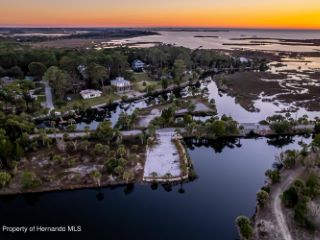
x=75, y=144
x=118, y=136
x=191, y=107
x=168, y=176
x=96, y=175
x=128, y=176
x=71, y=128
x=85, y=144
x=124, y=121
x=87, y=130
x=44, y=138
x=53, y=126
x=142, y=138
x=154, y=175
x=152, y=130
x=191, y=127
x=71, y=121
x=121, y=150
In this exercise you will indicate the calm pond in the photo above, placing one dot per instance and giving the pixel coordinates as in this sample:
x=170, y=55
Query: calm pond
x=229, y=175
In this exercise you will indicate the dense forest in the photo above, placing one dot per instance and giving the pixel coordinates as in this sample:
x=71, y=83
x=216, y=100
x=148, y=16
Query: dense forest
x=61, y=66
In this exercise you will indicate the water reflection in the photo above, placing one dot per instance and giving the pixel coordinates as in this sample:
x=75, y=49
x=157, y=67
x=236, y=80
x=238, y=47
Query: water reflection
x=7, y=199
x=100, y=196
x=181, y=189
x=217, y=145
x=167, y=187
x=31, y=198
x=129, y=189
x=154, y=186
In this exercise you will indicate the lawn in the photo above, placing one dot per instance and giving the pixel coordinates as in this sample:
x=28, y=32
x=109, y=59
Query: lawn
x=142, y=80
x=86, y=103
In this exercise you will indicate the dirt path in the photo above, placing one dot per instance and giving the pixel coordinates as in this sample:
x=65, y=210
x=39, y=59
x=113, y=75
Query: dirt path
x=287, y=179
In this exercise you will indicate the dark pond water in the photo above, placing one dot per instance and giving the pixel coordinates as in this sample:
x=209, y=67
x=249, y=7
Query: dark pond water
x=230, y=173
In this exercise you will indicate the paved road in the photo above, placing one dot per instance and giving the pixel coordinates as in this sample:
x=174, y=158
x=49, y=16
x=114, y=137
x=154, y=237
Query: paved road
x=83, y=134
x=48, y=92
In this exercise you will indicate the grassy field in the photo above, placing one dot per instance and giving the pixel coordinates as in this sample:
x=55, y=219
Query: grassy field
x=86, y=103
x=142, y=80
x=41, y=98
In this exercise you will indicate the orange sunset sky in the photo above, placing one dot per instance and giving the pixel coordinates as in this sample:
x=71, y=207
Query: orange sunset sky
x=166, y=13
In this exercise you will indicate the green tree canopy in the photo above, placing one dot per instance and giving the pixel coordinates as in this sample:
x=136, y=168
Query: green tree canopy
x=37, y=69
x=104, y=132
x=59, y=80
x=98, y=74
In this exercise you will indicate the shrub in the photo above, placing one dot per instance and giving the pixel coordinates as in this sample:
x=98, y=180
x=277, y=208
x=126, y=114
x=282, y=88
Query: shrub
x=262, y=198
x=244, y=226
x=298, y=183
x=57, y=159
x=29, y=180
x=290, y=197
x=98, y=149
x=266, y=188
x=317, y=128
x=274, y=175
x=116, y=165
x=5, y=178
x=263, y=122
x=313, y=185
x=281, y=127
x=72, y=161
x=300, y=214
x=288, y=158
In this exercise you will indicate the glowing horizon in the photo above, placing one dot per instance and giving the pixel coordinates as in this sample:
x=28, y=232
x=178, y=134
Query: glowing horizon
x=272, y=14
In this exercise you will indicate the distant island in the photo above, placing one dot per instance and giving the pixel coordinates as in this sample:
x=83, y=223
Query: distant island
x=205, y=36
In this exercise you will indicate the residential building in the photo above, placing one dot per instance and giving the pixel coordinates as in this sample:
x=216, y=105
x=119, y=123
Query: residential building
x=244, y=60
x=83, y=70
x=138, y=65
x=121, y=84
x=90, y=93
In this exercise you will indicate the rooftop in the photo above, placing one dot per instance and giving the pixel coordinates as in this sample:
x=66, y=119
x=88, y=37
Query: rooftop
x=120, y=82
x=90, y=91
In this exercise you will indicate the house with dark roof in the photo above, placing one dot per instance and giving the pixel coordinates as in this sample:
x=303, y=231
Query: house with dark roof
x=138, y=65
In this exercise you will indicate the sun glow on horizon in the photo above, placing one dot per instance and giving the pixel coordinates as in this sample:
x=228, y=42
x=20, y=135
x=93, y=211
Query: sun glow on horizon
x=289, y=14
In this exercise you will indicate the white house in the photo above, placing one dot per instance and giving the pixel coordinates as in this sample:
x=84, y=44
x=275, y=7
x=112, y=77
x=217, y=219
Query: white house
x=121, y=84
x=244, y=60
x=90, y=93
x=138, y=65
